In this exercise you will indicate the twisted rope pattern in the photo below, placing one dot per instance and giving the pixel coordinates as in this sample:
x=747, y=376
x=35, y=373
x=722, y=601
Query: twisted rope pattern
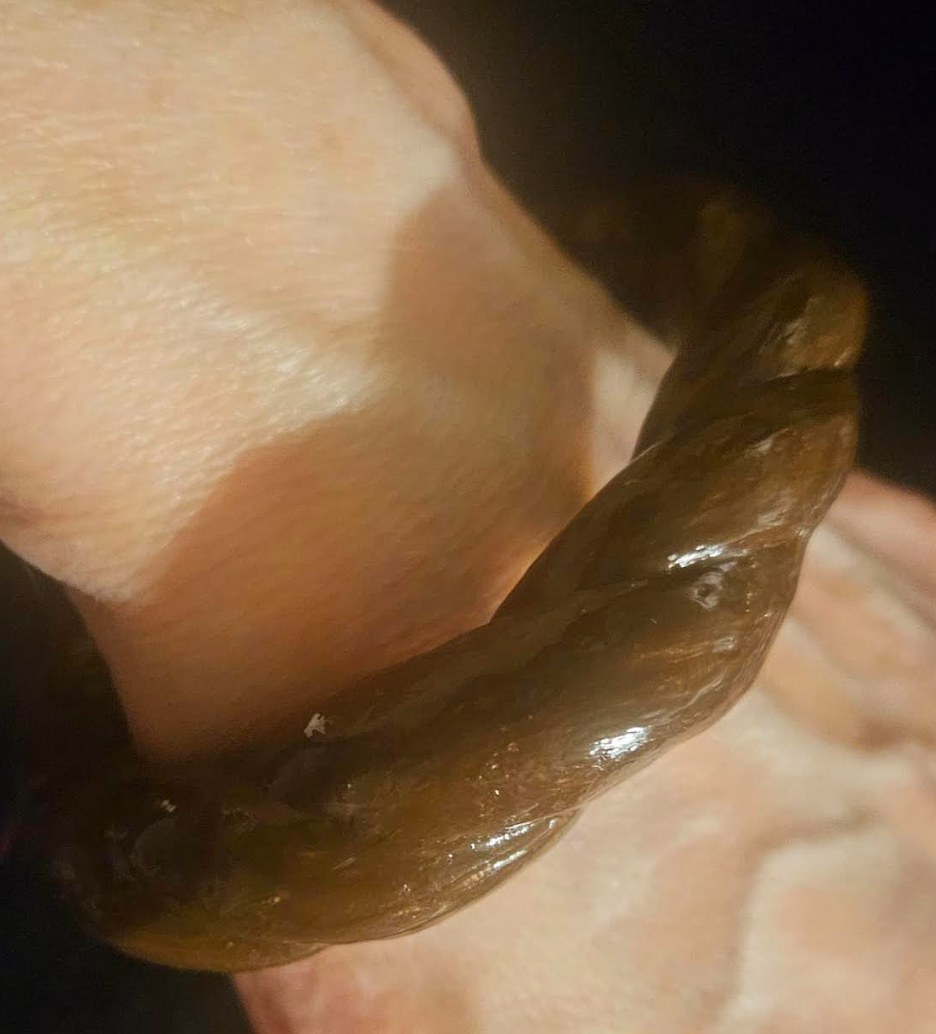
x=640, y=624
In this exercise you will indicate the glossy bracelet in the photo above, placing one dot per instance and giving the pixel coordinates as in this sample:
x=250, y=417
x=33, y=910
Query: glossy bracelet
x=436, y=779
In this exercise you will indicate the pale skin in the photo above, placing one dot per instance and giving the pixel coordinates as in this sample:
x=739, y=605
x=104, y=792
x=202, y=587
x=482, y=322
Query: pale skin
x=292, y=388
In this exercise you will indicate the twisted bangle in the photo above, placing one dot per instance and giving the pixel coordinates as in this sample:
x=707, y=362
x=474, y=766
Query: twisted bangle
x=640, y=624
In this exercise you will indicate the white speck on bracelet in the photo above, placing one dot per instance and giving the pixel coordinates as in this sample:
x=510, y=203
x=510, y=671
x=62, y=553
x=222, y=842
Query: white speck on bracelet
x=316, y=724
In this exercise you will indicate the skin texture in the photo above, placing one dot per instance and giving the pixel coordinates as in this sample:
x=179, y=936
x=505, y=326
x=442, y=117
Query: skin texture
x=436, y=779
x=344, y=985
x=262, y=271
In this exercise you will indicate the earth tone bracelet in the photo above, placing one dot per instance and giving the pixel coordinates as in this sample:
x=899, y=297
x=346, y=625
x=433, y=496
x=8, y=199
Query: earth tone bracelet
x=435, y=780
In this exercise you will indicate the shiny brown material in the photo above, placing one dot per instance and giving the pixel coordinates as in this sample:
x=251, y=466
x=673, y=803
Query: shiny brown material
x=638, y=626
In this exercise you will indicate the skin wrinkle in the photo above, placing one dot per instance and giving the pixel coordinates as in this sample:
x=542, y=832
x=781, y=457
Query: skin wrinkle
x=910, y=589
x=737, y=997
x=755, y=858
x=895, y=525
x=903, y=680
x=882, y=610
x=816, y=939
x=760, y=857
x=910, y=805
x=880, y=812
x=822, y=715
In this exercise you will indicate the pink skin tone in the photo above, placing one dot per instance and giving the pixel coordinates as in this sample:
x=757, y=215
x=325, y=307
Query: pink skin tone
x=292, y=386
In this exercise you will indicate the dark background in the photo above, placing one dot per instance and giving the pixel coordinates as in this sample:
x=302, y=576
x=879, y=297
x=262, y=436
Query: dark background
x=823, y=110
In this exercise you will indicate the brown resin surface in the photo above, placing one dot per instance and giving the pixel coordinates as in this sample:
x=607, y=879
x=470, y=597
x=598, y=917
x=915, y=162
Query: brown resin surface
x=640, y=624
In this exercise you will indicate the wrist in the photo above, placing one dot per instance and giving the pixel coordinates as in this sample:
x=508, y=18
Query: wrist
x=510, y=389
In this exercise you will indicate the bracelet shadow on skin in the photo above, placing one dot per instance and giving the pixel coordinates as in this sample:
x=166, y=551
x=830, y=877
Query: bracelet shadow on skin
x=640, y=624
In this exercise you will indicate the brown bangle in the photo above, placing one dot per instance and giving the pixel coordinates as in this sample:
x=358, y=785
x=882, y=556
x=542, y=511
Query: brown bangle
x=436, y=779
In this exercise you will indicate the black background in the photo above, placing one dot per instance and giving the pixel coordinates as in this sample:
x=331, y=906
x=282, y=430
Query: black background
x=823, y=110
